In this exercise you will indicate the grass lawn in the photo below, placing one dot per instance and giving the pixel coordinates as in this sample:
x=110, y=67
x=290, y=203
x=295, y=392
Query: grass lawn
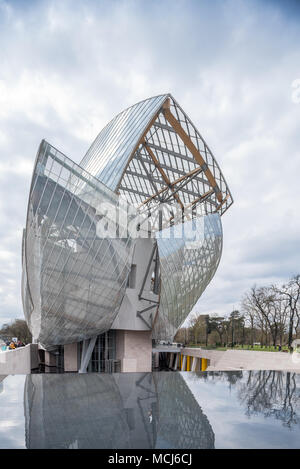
x=257, y=348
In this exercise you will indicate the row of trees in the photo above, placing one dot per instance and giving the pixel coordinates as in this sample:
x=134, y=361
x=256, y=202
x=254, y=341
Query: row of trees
x=268, y=315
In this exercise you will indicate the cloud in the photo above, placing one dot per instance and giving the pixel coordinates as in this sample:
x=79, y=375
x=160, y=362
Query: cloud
x=65, y=72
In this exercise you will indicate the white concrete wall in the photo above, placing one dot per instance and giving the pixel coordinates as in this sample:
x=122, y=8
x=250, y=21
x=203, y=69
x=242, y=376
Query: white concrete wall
x=127, y=318
x=134, y=350
x=19, y=361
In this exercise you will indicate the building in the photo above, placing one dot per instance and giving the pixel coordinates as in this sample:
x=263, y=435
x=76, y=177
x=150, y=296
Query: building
x=117, y=250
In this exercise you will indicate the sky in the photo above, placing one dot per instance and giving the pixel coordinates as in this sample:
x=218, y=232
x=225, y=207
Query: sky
x=66, y=68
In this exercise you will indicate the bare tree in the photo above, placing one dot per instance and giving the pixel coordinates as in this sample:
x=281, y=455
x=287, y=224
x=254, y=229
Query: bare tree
x=281, y=312
x=268, y=306
x=291, y=292
x=250, y=315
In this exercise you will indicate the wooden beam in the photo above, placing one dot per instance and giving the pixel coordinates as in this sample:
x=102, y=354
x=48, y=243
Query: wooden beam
x=167, y=104
x=223, y=202
x=184, y=176
x=200, y=198
x=152, y=196
x=190, y=173
x=195, y=152
x=163, y=174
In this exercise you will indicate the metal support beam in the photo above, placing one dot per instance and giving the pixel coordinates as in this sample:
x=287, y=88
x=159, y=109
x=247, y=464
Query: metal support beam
x=164, y=126
x=139, y=315
x=173, y=169
x=184, y=182
x=176, y=361
x=194, y=364
x=150, y=300
x=149, y=176
x=147, y=270
x=171, y=357
x=194, y=172
x=87, y=350
x=156, y=285
x=145, y=195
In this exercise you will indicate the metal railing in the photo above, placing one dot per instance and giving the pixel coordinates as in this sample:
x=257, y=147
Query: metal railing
x=112, y=366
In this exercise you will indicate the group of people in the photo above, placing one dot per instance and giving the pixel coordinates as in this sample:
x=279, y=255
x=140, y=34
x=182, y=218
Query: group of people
x=11, y=345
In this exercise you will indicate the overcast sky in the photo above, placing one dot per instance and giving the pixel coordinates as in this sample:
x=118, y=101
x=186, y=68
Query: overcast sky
x=67, y=67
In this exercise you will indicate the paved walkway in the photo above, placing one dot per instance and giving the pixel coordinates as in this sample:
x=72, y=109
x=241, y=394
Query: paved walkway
x=246, y=359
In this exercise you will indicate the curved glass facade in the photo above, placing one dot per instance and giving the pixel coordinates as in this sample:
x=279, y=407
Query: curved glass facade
x=149, y=161
x=108, y=155
x=74, y=280
x=189, y=256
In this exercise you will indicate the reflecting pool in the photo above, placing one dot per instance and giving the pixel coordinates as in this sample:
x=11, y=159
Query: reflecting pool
x=176, y=410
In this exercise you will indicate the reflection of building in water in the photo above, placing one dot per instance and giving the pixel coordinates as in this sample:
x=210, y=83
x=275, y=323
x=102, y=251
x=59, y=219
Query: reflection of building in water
x=81, y=411
x=1, y=384
x=130, y=410
x=181, y=422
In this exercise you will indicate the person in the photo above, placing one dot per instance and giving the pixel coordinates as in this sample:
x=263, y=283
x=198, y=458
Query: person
x=12, y=346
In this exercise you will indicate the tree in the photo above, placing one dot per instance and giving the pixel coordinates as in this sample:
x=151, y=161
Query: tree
x=195, y=327
x=270, y=310
x=17, y=328
x=250, y=315
x=217, y=324
x=291, y=292
x=235, y=319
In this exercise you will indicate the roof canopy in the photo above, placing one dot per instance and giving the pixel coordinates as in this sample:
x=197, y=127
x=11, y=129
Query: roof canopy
x=152, y=153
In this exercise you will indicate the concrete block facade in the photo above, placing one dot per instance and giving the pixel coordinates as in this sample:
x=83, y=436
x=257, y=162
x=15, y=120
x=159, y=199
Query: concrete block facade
x=71, y=357
x=134, y=350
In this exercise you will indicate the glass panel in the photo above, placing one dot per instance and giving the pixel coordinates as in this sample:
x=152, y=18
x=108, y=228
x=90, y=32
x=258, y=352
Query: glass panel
x=108, y=155
x=187, y=265
x=76, y=276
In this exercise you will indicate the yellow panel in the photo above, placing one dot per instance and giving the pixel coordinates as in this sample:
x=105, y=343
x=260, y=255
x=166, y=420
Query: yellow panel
x=203, y=364
x=188, y=367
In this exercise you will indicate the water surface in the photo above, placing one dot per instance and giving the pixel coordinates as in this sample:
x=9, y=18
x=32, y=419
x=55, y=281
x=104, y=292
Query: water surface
x=237, y=409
